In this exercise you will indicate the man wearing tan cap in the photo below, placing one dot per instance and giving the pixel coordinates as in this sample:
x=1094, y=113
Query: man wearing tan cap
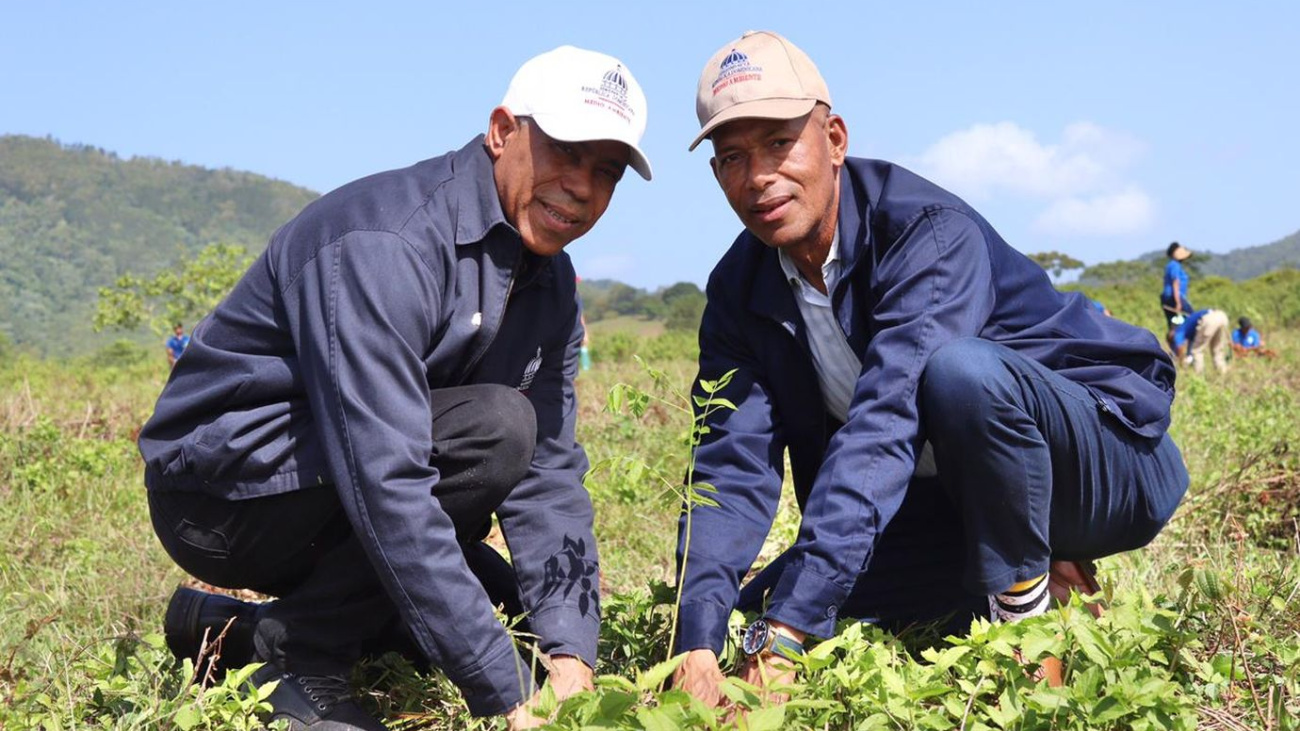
x=394, y=370
x=955, y=426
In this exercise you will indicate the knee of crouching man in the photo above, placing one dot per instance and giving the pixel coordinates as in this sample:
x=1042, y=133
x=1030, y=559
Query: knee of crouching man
x=514, y=429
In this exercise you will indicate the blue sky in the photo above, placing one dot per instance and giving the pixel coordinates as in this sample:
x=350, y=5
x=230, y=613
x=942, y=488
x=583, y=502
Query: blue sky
x=1104, y=129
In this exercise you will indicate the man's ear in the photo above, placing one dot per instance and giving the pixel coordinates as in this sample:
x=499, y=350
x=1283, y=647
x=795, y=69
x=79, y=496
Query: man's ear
x=713, y=165
x=837, y=134
x=502, y=126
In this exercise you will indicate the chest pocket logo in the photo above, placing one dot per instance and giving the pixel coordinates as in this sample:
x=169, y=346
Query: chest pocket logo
x=530, y=371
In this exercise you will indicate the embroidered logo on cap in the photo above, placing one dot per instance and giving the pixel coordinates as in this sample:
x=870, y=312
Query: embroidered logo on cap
x=735, y=69
x=611, y=94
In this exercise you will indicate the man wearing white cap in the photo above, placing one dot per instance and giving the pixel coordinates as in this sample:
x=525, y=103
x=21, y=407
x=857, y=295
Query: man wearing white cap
x=956, y=427
x=394, y=370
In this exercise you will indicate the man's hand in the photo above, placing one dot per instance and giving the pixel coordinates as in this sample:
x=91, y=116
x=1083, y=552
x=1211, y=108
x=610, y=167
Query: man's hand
x=569, y=675
x=1065, y=576
x=768, y=671
x=523, y=716
x=700, y=676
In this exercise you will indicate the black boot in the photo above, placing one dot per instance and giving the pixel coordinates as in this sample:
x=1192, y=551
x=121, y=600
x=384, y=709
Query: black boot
x=192, y=613
x=315, y=702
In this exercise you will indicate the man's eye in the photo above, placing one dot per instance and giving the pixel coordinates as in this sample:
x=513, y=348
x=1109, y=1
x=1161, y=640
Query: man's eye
x=779, y=143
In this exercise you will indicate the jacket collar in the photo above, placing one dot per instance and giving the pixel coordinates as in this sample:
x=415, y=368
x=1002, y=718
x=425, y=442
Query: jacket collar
x=854, y=213
x=474, y=188
x=770, y=294
x=478, y=211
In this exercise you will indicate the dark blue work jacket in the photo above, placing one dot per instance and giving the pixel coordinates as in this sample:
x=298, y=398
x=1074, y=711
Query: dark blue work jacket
x=920, y=268
x=316, y=370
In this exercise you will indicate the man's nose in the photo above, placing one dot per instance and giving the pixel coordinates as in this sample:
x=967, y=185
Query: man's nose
x=578, y=181
x=760, y=172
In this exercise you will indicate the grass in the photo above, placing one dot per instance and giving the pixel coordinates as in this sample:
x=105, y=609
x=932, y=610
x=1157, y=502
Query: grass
x=1205, y=632
x=627, y=325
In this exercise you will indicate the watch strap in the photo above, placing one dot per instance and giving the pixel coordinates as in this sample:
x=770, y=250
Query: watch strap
x=786, y=647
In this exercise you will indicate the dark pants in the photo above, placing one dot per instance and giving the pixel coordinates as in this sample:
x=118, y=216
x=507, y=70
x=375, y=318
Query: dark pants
x=1167, y=307
x=1030, y=470
x=1037, y=470
x=300, y=547
x=915, y=573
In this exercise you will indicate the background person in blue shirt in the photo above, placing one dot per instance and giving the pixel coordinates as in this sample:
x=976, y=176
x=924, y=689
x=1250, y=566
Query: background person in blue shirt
x=1173, y=296
x=1246, y=340
x=1201, y=331
x=176, y=344
x=393, y=371
x=863, y=314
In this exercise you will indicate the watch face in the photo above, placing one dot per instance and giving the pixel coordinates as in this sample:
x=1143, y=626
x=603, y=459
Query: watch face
x=755, y=638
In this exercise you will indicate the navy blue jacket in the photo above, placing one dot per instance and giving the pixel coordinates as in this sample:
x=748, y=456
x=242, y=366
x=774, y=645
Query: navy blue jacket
x=316, y=370
x=920, y=268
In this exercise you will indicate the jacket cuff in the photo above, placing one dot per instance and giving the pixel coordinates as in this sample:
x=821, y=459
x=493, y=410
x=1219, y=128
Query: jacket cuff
x=497, y=685
x=565, y=630
x=807, y=601
x=702, y=626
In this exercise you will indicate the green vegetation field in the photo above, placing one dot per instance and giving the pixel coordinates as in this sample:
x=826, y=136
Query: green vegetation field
x=1203, y=627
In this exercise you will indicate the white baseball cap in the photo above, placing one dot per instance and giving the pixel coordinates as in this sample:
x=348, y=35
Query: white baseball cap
x=576, y=95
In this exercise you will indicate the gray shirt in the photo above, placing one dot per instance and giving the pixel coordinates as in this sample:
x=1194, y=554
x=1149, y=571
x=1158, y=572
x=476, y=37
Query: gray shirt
x=838, y=366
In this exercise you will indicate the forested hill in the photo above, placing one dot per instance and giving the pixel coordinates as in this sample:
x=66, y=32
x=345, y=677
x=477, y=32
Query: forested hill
x=1253, y=261
x=73, y=218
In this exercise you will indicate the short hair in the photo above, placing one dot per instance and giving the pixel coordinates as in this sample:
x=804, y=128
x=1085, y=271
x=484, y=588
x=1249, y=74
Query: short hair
x=1245, y=323
x=177, y=325
x=1172, y=248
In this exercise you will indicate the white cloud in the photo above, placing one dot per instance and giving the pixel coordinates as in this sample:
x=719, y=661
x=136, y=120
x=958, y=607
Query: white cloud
x=988, y=158
x=1128, y=211
x=1082, y=178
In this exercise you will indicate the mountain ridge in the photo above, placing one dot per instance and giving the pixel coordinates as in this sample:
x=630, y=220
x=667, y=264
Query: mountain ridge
x=74, y=218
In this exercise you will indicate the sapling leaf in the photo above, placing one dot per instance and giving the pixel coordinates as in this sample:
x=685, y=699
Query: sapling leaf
x=944, y=659
x=1047, y=701
x=187, y=717
x=738, y=691
x=240, y=676
x=766, y=719
x=1038, y=642
x=650, y=680
x=656, y=719
x=616, y=682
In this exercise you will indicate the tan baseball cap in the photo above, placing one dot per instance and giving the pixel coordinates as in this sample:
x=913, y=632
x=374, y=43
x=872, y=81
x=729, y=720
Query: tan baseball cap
x=759, y=75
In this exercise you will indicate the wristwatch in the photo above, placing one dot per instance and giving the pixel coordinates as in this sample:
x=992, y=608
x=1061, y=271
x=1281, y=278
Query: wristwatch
x=762, y=638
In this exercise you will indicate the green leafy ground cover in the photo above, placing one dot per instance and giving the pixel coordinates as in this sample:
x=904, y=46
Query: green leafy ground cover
x=1203, y=627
